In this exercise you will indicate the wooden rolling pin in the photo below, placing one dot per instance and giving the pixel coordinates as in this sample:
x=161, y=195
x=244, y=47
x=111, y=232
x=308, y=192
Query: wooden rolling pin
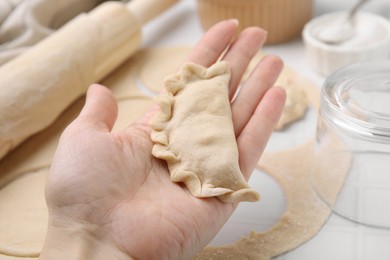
x=41, y=83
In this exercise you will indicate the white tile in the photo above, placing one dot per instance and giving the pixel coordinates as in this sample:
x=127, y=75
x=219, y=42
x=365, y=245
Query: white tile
x=332, y=244
x=377, y=246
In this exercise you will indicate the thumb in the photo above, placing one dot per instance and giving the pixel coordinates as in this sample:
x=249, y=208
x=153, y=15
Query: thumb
x=100, y=110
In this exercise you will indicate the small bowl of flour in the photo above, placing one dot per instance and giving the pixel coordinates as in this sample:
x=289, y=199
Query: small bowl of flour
x=368, y=39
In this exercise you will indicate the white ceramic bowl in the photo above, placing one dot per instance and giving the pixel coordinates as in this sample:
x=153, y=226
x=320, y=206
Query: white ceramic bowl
x=371, y=42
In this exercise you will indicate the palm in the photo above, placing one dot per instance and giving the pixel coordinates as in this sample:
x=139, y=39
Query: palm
x=131, y=187
x=109, y=182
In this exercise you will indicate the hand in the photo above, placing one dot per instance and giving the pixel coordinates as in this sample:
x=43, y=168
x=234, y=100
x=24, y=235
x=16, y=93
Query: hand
x=109, y=198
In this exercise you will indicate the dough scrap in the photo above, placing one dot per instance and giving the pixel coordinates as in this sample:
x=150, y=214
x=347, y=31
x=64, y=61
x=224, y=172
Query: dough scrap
x=296, y=100
x=194, y=133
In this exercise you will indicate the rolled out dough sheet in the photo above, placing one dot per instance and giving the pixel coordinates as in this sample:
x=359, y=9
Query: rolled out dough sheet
x=23, y=218
x=7, y=257
x=122, y=81
x=305, y=213
x=155, y=65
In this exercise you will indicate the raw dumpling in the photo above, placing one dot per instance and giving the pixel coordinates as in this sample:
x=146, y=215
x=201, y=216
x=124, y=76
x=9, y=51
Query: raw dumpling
x=194, y=134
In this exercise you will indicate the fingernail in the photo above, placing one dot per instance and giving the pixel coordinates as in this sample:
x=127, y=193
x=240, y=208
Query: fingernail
x=236, y=21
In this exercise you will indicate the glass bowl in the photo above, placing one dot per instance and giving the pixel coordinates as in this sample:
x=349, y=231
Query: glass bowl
x=354, y=129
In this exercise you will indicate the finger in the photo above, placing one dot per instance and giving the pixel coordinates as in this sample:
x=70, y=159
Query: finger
x=252, y=91
x=208, y=50
x=213, y=43
x=100, y=109
x=254, y=137
x=241, y=52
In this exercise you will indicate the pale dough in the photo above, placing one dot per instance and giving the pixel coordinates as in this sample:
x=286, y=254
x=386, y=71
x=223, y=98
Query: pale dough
x=193, y=132
x=168, y=63
x=296, y=99
x=23, y=218
x=38, y=150
x=171, y=59
x=123, y=82
x=7, y=257
x=305, y=213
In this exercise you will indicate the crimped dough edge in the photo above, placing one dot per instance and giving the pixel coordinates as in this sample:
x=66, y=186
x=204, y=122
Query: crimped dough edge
x=161, y=149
